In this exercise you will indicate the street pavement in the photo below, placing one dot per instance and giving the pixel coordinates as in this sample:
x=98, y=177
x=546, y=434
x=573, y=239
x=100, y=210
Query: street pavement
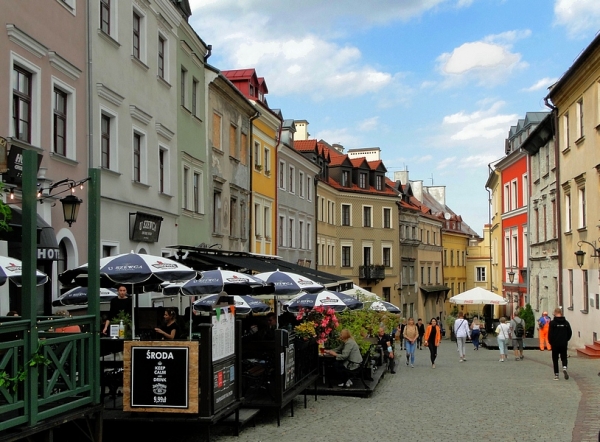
x=480, y=399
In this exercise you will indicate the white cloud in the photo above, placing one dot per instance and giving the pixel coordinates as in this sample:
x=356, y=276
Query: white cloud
x=368, y=124
x=489, y=61
x=344, y=136
x=423, y=159
x=577, y=16
x=544, y=83
x=446, y=162
x=476, y=161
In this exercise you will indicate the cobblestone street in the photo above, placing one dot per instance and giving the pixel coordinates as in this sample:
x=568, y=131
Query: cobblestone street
x=478, y=400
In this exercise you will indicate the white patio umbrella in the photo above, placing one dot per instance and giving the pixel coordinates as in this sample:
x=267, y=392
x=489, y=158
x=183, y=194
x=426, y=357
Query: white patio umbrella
x=479, y=296
x=384, y=306
x=11, y=269
x=361, y=294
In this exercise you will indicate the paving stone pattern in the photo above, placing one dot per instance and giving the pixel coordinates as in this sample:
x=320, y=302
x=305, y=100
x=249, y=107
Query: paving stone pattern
x=480, y=399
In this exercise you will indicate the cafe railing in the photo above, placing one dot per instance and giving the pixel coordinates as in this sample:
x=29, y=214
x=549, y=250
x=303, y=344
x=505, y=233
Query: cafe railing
x=62, y=363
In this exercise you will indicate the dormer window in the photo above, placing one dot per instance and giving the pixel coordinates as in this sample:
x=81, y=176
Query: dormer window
x=252, y=90
x=362, y=180
x=345, y=178
x=379, y=182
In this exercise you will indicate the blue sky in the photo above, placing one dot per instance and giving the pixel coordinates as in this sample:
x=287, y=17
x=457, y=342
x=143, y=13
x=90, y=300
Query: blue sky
x=436, y=84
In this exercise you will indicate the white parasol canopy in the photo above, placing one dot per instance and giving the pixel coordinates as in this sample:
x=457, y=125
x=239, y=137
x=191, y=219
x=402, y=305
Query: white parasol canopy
x=478, y=295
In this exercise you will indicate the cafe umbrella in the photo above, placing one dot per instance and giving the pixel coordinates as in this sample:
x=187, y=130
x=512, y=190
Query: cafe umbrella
x=230, y=282
x=288, y=283
x=384, y=306
x=244, y=304
x=326, y=298
x=78, y=296
x=11, y=270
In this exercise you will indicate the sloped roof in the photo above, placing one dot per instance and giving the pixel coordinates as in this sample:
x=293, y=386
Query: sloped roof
x=240, y=74
x=359, y=162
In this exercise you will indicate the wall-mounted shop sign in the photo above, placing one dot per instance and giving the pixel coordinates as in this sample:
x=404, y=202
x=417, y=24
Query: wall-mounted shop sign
x=3, y=155
x=14, y=172
x=144, y=227
x=47, y=253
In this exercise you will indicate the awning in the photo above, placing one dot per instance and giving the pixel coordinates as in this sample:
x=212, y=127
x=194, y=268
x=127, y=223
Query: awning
x=47, y=246
x=434, y=288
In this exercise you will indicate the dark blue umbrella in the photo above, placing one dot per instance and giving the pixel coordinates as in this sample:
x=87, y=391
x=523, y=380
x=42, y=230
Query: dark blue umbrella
x=384, y=306
x=133, y=269
x=11, y=268
x=244, y=304
x=233, y=283
x=288, y=283
x=79, y=296
x=327, y=298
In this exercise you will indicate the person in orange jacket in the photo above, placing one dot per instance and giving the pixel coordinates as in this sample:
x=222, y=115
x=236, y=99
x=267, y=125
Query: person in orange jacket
x=544, y=326
x=432, y=339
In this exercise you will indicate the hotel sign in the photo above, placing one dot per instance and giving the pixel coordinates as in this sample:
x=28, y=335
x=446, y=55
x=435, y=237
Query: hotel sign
x=144, y=227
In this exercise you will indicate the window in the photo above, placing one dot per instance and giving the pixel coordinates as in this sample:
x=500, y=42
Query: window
x=309, y=184
x=137, y=157
x=290, y=232
x=362, y=180
x=308, y=236
x=525, y=190
x=137, y=22
x=183, y=90
x=267, y=163
x=257, y=155
x=161, y=56
x=217, y=212
x=106, y=140
x=387, y=256
x=282, y=175
x=195, y=97
x=257, y=221
x=367, y=256
x=536, y=218
x=506, y=198
x=422, y=275
x=60, y=122
x=346, y=253
x=565, y=121
x=216, y=131
x=379, y=182
x=300, y=234
x=161, y=170
x=545, y=224
x=437, y=275
x=586, y=292
x=22, y=86
x=280, y=231
x=243, y=221
x=233, y=217
x=513, y=195
x=346, y=214
x=429, y=275
x=244, y=149
x=554, y=227
x=451, y=258
x=105, y=16
x=267, y=222
x=580, y=119
x=570, y=288
x=480, y=274
x=292, y=180
x=185, y=191
x=582, y=209
x=367, y=216
x=345, y=178
x=568, y=213
x=301, y=184
x=196, y=192
x=387, y=215
x=233, y=151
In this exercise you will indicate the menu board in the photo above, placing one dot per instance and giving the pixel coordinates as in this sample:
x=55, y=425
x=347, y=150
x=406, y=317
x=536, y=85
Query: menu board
x=223, y=383
x=223, y=335
x=159, y=377
x=290, y=367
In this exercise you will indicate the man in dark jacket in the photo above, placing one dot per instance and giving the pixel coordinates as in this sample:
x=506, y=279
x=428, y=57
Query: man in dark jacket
x=559, y=335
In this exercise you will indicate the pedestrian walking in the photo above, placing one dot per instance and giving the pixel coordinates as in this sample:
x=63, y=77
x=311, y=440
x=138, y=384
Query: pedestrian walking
x=559, y=335
x=432, y=339
x=461, y=331
x=517, y=331
x=411, y=334
x=402, y=326
x=421, y=328
x=543, y=327
x=475, y=332
x=503, y=335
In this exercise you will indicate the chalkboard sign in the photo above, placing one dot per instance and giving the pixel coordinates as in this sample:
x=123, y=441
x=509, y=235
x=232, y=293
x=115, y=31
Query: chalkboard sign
x=224, y=381
x=290, y=367
x=159, y=377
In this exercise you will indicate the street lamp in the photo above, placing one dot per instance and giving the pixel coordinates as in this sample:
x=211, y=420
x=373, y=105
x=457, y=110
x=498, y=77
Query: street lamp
x=580, y=254
x=70, y=205
x=511, y=276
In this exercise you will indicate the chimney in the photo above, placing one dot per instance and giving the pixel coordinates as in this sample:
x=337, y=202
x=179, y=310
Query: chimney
x=417, y=188
x=301, y=130
x=402, y=176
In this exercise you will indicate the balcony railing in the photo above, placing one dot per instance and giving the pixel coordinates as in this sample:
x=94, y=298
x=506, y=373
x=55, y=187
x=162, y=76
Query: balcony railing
x=371, y=272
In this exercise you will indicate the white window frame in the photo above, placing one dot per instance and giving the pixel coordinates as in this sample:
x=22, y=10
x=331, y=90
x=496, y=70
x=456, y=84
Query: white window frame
x=568, y=213
x=342, y=206
x=69, y=5
x=343, y=244
x=363, y=216
x=114, y=20
x=383, y=211
x=114, y=138
x=525, y=244
x=143, y=40
x=166, y=57
x=301, y=184
x=308, y=236
x=185, y=186
x=166, y=168
x=525, y=190
x=582, y=207
x=267, y=222
x=292, y=179
x=143, y=154
x=282, y=175
x=580, y=116
x=301, y=234
x=71, y=129
x=514, y=194
x=309, y=184
x=387, y=245
x=506, y=198
x=36, y=97
x=281, y=231
x=565, y=127
x=267, y=157
x=291, y=232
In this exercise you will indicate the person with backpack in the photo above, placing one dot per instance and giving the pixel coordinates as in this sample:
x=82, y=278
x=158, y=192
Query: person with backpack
x=517, y=331
x=559, y=335
x=544, y=326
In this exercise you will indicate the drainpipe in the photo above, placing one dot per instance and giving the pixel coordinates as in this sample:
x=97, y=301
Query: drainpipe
x=558, y=221
x=208, y=53
x=489, y=191
x=275, y=209
x=251, y=166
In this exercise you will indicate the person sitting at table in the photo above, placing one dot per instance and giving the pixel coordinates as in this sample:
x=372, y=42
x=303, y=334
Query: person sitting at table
x=386, y=347
x=268, y=334
x=170, y=329
x=347, y=358
x=12, y=313
x=68, y=328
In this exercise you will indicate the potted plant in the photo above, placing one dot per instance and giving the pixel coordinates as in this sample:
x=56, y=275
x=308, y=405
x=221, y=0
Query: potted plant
x=450, y=319
x=305, y=330
x=526, y=314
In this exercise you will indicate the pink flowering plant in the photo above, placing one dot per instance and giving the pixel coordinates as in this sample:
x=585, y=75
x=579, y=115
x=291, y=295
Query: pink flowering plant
x=323, y=318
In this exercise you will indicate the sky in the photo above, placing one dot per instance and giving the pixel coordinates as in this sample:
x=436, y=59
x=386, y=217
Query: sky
x=435, y=84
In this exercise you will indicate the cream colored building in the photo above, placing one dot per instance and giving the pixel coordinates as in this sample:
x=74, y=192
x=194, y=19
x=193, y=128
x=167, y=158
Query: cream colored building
x=575, y=97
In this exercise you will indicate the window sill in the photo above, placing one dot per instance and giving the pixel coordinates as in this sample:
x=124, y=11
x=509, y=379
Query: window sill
x=63, y=159
x=580, y=140
x=197, y=119
x=234, y=159
x=185, y=109
x=217, y=235
x=566, y=150
x=109, y=39
x=217, y=151
x=140, y=63
x=570, y=308
x=113, y=172
x=585, y=312
x=569, y=233
x=140, y=184
x=163, y=81
x=582, y=229
x=165, y=195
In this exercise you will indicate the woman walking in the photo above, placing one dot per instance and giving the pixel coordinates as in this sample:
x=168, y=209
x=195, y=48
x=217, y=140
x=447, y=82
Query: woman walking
x=433, y=337
x=475, y=332
x=411, y=334
x=461, y=331
x=503, y=335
